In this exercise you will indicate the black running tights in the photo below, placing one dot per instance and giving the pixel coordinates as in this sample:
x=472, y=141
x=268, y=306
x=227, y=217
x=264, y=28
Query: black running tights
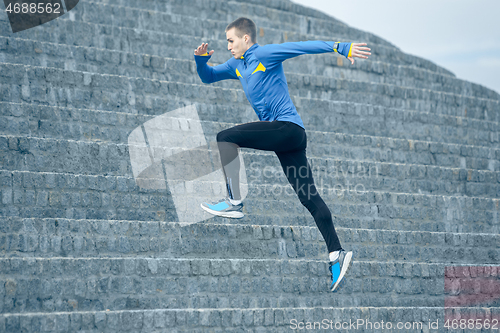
x=289, y=142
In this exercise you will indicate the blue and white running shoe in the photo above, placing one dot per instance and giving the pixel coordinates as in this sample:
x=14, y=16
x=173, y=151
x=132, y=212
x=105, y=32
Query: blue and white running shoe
x=339, y=268
x=224, y=208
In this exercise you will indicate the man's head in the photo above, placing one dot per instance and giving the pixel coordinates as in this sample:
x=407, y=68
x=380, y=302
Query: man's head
x=241, y=35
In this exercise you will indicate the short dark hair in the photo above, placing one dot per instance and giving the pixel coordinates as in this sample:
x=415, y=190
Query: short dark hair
x=244, y=26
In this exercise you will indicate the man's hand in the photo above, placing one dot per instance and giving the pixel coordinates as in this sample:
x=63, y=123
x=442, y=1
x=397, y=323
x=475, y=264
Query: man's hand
x=357, y=51
x=202, y=49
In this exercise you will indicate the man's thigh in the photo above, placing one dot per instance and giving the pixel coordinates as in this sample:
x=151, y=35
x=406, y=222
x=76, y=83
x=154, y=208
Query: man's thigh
x=264, y=135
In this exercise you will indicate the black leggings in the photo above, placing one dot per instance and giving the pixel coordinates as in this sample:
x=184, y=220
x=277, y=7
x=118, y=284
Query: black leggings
x=289, y=142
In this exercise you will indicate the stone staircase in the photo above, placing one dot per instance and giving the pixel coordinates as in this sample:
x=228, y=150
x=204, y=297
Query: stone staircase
x=406, y=155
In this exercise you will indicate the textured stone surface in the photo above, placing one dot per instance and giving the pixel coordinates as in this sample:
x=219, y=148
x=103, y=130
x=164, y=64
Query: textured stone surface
x=46, y=285
x=101, y=238
x=267, y=319
x=84, y=248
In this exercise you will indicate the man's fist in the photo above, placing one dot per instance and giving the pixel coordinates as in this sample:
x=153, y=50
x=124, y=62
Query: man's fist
x=202, y=49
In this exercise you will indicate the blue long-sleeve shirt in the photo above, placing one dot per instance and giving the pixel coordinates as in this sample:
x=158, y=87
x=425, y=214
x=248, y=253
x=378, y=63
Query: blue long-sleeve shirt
x=260, y=71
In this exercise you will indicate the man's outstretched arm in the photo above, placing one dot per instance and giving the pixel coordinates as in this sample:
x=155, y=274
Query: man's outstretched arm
x=275, y=53
x=209, y=74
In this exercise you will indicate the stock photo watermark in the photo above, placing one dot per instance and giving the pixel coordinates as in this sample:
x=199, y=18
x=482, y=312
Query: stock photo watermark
x=471, y=302
x=25, y=15
x=360, y=324
x=170, y=152
x=337, y=181
x=472, y=297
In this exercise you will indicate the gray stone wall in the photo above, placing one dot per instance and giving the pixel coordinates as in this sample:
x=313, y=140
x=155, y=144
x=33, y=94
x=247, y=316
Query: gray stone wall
x=405, y=154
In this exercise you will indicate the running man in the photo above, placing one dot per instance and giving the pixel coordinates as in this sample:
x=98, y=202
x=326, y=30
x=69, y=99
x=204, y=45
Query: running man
x=279, y=129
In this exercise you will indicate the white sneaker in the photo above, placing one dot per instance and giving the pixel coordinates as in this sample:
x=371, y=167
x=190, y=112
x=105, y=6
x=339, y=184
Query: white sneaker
x=224, y=208
x=339, y=268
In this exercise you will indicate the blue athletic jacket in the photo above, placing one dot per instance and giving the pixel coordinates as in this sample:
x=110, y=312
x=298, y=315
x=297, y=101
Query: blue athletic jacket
x=260, y=71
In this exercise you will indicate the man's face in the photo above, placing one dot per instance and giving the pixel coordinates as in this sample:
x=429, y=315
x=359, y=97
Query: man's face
x=235, y=44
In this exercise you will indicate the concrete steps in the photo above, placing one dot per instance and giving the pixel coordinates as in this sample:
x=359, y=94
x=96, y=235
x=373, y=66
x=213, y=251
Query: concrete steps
x=337, y=117
x=176, y=18
x=85, y=249
x=77, y=157
x=86, y=284
x=374, y=118
x=156, y=20
x=28, y=194
x=329, y=145
x=306, y=64
x=339, y=89
x=47, y=238
x=104, y=61
x=265, y=319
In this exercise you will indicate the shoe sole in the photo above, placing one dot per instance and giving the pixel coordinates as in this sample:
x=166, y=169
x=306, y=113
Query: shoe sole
x=343, y=273
x=230, y=214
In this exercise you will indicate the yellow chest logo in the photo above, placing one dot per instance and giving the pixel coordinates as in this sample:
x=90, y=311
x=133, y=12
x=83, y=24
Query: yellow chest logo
x=260, y=67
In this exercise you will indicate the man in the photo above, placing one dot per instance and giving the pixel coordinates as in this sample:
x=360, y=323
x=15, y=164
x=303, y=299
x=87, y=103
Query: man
x=280, y=129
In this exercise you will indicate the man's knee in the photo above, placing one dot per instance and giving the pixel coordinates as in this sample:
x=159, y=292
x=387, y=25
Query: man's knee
x=309, y=200
x=224, y=136
x=306, y=191
x=316, y=206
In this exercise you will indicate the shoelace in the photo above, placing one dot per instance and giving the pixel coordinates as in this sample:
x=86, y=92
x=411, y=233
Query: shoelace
x=213, y=203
